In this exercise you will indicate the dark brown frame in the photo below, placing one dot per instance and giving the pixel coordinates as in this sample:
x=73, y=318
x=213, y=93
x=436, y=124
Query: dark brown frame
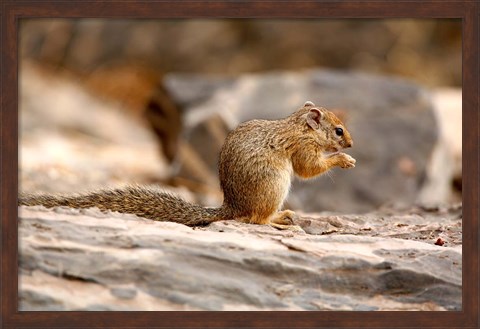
x=13, y=10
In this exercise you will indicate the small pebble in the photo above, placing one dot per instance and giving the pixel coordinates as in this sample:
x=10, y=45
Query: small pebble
x=440, y=242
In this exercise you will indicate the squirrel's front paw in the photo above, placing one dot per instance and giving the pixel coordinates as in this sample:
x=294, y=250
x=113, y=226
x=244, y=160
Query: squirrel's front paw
x=346, y=161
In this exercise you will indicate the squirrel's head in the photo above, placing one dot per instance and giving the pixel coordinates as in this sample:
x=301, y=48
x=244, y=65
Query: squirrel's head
x=327, y=126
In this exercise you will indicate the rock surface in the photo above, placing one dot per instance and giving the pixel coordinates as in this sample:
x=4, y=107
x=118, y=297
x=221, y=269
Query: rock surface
x=88, y=260
x=71, y=140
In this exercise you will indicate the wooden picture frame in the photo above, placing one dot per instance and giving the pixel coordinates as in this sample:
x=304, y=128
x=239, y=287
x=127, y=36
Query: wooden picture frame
x=14, y=10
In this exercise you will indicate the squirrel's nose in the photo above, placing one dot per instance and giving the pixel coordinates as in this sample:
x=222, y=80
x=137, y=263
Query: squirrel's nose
x=349, y=144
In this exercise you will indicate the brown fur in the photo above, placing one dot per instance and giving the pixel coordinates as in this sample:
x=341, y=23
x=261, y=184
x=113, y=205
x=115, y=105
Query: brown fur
x=256, y=165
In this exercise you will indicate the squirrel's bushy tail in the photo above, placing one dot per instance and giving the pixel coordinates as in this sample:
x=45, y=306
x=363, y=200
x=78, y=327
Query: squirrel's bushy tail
x=142, y=201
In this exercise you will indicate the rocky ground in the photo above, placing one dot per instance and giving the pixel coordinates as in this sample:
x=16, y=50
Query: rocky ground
x=386, y=260
x=367, y=253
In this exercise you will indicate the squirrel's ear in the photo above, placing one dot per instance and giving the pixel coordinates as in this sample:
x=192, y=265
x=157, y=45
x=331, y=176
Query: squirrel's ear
x=308, y=103
x=313, y=118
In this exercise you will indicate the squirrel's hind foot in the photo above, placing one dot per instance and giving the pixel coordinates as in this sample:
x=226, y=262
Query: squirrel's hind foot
x=284, y=217
x=283, y=220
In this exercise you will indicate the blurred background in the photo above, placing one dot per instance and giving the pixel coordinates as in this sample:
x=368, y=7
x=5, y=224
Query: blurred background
x=113, y=102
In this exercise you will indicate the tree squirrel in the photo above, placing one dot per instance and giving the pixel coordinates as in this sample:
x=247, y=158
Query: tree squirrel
x=256, y=166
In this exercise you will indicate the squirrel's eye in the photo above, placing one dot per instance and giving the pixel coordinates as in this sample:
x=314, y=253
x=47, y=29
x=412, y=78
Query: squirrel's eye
x=339, y=131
